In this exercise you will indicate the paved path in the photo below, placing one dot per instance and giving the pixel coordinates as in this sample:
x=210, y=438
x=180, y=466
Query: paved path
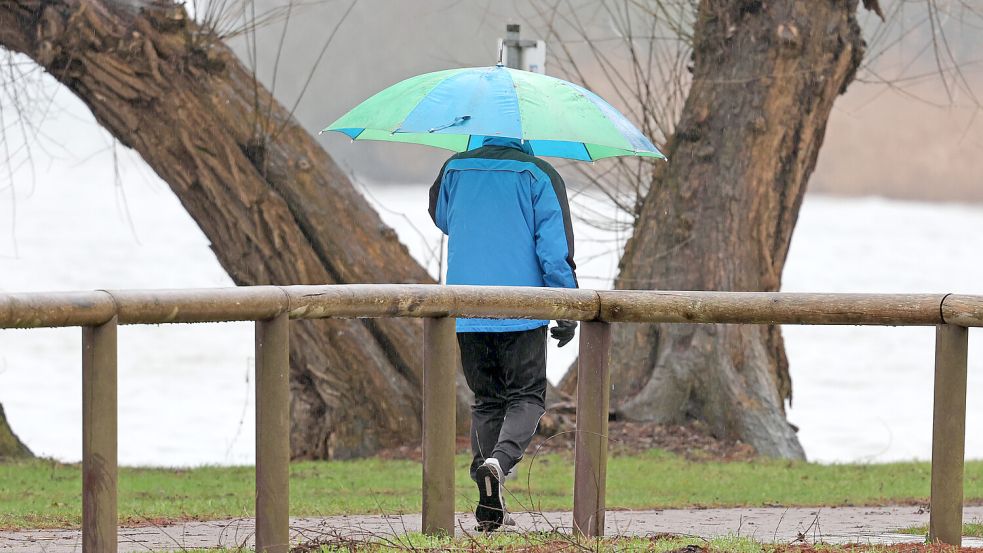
x=772, y=524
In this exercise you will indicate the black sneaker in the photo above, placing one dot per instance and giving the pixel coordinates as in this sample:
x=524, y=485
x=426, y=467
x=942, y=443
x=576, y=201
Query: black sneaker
x=490, y=513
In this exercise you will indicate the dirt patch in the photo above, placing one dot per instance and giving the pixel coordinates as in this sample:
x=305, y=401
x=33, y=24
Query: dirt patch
x=415, y=452
x=692, y=441
x=557, y=435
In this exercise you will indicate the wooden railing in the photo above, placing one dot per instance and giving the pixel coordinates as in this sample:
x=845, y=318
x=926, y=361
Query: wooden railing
x=271, y=307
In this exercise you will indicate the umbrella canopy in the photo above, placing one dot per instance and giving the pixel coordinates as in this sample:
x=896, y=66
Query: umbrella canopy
x=457, y=108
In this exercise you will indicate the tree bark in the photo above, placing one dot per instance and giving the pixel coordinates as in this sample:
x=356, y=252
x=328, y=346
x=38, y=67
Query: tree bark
x=10, y=445
x=720, y=214
x=275, y=207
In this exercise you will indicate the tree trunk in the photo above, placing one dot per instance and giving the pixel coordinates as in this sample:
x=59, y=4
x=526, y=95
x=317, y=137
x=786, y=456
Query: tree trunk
x=10, y=445
x=275, y=207
x=720, y=214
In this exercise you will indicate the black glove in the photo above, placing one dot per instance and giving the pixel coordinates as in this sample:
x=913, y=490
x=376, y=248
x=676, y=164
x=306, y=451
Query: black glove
x=563, y=332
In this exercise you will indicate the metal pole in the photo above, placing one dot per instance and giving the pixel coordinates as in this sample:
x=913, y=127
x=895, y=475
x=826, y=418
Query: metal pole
x=593, y=397
x=514, y=53
x=99, y=438
x=948, y=434
x=439, y=427
x=272, y=435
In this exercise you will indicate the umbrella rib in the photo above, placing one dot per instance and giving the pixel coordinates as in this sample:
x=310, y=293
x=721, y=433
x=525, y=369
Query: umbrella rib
x=518, y=106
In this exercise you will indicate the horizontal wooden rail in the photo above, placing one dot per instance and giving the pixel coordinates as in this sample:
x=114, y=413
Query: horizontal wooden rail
x=772, y=308
x=963, y=310
x=55, y=309
x=251, y=303
x=427, y=300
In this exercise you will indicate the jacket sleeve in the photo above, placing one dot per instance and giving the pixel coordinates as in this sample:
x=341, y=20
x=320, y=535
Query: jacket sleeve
x=438, y=202
x=554, y=233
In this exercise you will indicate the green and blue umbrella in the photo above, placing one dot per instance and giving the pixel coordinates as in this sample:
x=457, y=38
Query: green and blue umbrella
x=457, y=108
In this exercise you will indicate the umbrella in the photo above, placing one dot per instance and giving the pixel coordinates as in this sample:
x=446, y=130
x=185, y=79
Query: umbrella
x=456, y=109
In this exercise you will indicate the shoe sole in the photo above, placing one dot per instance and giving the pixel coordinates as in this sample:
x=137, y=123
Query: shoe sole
x=489, y=513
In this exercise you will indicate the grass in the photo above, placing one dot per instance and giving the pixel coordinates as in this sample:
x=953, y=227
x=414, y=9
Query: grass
x=970, y=529
x=44, y=494
x=540, y=541
x=545, y=542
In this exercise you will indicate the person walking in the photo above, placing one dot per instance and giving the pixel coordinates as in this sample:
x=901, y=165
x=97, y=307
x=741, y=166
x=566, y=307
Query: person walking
x=507, y=219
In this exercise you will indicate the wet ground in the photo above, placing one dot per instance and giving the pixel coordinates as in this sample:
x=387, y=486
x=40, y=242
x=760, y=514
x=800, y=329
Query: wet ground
x=773, y=524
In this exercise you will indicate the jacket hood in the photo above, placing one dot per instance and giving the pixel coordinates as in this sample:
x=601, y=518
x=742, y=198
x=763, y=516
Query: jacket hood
x=508, y=142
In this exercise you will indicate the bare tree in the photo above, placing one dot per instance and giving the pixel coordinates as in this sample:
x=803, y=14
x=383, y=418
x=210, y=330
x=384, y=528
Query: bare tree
x=10, y=444
x=739, y=91
x=273, y=204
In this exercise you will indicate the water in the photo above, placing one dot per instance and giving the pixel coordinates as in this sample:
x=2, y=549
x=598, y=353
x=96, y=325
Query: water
x=865, y=393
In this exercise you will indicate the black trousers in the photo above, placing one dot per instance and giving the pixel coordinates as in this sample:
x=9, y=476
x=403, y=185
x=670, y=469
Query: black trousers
x=507, y=373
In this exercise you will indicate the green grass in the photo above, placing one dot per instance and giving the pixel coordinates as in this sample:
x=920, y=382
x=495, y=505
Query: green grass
x=538, y=542
x=43, y=494
x=970, y=529
x=543, y=541
x=531, y=542
x=534, y=542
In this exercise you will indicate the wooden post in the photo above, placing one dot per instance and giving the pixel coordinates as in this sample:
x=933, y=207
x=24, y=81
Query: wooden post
x=593, y=397
x=439, y=428
x=99, y=438
x=948, y=434
x=272, y=435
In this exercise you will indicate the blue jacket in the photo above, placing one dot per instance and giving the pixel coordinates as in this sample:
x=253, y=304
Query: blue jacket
x=506, y=216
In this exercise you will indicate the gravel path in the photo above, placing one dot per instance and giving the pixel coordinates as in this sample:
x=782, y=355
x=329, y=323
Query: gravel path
x=772, y=524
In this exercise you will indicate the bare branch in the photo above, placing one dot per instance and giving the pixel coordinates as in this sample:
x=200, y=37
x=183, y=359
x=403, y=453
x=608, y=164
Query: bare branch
x=874, y=6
